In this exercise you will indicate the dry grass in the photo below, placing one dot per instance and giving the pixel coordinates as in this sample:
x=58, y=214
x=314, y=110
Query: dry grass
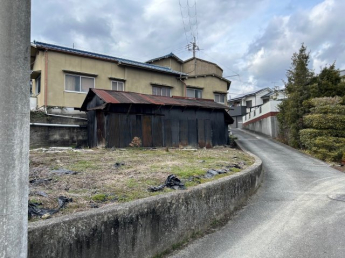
x=98, y=182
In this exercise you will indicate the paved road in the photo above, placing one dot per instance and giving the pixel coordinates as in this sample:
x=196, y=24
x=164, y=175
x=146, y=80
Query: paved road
x=293, y=214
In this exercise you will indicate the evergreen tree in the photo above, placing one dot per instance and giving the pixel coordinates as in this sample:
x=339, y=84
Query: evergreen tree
x=297, y=88
x=328, y=83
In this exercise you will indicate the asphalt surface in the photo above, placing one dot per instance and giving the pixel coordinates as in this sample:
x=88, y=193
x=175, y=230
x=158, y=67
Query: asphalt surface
x=299, y=211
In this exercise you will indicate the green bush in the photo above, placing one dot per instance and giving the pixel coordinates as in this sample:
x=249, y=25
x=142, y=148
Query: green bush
x=328, y=109
x=324, y=147
x=327, y=155
x=316, y=102
x=329, y=143
x=325, y=121
x=307, y=135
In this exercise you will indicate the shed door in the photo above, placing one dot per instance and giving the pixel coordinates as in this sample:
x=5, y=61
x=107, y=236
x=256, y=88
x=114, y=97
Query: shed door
x=147, y=131
x=100, y=129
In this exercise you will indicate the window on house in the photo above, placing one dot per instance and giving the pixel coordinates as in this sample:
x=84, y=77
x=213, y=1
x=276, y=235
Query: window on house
x=219, y=97
x=249, y=103
x=78, y=83
x=38, y=85
x=161, y=91
x=194, y=93
x=117, y=85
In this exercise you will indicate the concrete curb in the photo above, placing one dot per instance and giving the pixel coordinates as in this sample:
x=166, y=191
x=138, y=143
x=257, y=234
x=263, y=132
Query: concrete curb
x=146, y=227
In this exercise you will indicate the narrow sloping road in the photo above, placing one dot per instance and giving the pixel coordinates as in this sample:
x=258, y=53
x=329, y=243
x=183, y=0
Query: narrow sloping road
x=299, y=211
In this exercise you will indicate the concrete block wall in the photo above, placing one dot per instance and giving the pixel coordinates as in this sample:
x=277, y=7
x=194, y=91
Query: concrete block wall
x=146, y=227
x=48, y=136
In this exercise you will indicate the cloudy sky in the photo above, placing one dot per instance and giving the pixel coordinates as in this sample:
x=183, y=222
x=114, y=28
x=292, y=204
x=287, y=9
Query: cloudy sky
x=252, y=40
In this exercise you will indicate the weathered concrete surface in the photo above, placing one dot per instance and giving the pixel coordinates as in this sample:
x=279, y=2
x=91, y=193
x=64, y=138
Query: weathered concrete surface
x=47, y=136
x=146, y=227
x=14, y=126
x=293, y=214
x=267, y=126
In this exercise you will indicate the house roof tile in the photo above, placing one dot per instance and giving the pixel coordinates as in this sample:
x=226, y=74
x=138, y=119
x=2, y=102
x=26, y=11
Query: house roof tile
x=166, y=56
x=120, y=61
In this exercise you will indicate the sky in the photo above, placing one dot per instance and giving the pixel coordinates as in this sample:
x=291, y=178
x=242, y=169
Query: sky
x=251, y=40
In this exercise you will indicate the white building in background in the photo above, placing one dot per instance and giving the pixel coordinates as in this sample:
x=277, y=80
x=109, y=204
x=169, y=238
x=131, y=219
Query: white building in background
x=257, y=110
x=245, y=103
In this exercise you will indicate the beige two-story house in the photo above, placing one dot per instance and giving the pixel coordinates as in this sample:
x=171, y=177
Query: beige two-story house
x=204, y=79
x=61, y=76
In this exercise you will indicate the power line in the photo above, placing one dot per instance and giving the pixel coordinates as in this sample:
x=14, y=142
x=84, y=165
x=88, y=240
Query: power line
x=191, y=25
x=222, y=64
x=184, y=27
x=197, y=25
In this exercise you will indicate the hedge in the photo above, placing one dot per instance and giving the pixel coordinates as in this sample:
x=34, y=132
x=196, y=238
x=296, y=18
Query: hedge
x=327, y=155
x=328, y=109
x=328, y=143
x=306, y=135
x=325, y=101
x=325, y=121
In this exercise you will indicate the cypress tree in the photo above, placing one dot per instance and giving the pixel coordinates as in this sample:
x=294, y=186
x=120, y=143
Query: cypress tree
x=297, y=88
x=328, y=83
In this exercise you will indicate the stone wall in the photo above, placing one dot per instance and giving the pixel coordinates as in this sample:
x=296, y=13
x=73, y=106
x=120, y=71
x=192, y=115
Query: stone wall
x=146, y=227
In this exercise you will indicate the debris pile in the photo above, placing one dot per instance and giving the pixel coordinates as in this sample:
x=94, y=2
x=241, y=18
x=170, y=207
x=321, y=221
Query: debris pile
x=35, y=210
x=175, y=183
x=63, y=171
x=172, y=182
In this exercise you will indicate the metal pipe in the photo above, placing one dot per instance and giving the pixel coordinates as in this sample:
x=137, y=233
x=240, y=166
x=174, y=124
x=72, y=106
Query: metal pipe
x=72, y=117
x=14, y=126
x=46, y=78
x=185, y=87
x=57, y=125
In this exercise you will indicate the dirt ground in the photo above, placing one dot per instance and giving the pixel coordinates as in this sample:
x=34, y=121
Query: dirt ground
x=91, y=178
x=340, y=167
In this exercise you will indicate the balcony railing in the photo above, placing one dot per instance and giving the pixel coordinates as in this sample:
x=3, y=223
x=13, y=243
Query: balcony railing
x=271, y=106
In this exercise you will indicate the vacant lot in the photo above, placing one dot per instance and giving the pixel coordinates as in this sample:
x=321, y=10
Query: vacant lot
x=93, y=178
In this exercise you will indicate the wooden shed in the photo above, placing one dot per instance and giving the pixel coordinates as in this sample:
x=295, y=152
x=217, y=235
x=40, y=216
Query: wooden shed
x=116, y=117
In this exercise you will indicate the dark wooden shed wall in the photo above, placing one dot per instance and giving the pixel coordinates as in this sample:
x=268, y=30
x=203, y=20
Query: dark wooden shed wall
x=157, y=126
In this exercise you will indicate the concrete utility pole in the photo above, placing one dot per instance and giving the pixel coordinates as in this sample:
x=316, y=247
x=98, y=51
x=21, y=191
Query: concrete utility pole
x=194, y=48
x=14, y=126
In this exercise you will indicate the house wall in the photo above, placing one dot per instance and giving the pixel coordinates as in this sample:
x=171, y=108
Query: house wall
x=137, y=80
x=39, y=66
x=256, y=99
x=237, y=122
x=51, y=64
x=202, y=67
x=169, y=62
x=209, y=84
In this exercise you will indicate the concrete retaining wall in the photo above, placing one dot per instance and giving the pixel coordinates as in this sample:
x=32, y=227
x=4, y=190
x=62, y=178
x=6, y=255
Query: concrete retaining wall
x=267, y=125
x=145, y=227
x=48, y=136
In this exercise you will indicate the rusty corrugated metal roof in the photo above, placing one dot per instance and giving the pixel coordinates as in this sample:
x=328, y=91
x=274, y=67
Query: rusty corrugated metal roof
x=123, y=97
